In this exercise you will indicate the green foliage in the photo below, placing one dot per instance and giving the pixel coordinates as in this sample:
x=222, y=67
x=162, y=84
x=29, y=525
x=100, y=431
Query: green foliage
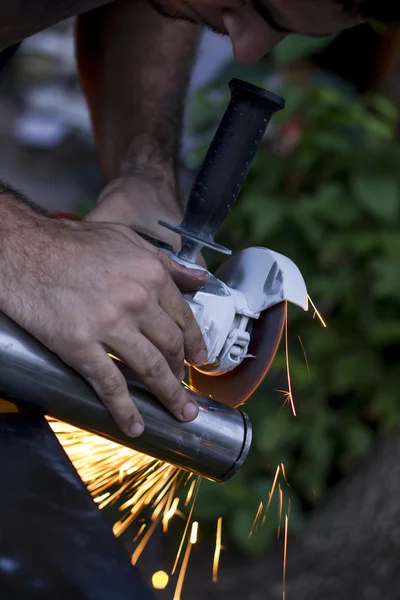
x=331, y=202
x=296, y=47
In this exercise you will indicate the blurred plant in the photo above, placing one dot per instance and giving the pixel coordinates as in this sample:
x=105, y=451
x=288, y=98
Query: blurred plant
x=325, y=191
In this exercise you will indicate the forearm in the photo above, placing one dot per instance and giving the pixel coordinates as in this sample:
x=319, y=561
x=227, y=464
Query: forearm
x=20, y=19
x=20, y=237
x=135, y=66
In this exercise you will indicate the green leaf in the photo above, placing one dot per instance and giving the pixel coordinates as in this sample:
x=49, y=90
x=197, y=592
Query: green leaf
x=386, y=283
x=355, y=370
x=376, y=128
x=242, y=525
x=334, y=205
x=378, y=195
x=385, y=107
x=386, y=333
x=270, y=430
x=212, y=501
x=298, y=47
x=357, y=439
x=265, y=215
x=332, y=142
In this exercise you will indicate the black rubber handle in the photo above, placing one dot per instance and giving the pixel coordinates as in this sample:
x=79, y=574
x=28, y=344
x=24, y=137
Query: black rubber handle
x=225, y=167
x=229, y=157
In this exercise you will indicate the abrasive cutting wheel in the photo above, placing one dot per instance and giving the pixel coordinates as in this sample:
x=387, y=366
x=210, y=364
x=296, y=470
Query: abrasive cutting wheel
x=235, y=387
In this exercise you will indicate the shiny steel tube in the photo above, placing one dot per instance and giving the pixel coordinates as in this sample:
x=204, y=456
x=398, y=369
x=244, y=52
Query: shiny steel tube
x=214, y=445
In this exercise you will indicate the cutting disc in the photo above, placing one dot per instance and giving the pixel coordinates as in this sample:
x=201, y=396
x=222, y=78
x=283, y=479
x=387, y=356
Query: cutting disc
x=235, y=387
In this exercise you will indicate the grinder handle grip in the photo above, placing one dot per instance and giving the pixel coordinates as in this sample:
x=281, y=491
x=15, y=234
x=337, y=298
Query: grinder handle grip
x=229, y=157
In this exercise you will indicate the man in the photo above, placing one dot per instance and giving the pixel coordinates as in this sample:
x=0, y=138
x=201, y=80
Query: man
x=87, y=288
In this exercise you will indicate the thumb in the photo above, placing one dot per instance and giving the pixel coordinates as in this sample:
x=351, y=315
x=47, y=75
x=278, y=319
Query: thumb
x=187, y=279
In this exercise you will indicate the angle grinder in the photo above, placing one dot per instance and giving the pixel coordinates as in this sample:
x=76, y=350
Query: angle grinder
x=241, y=311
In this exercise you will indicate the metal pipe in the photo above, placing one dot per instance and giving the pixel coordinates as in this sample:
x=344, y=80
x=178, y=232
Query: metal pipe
x=214, y=445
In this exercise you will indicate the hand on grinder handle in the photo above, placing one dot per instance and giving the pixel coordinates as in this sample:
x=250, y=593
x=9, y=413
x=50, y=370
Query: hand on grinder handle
x=139, y=202
x=104, y=289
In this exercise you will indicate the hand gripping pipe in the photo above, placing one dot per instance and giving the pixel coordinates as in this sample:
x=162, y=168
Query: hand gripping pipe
x=214, y=445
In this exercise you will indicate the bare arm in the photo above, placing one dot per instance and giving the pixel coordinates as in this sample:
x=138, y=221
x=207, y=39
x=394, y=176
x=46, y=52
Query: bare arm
x=20, y=19
x=82, y=287
x=135, y=67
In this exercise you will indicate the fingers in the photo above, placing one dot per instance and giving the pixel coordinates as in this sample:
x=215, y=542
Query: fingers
x=153, y=370
x=168, y=338
x=193, y=340
x=186, y=279
x=110, y=386
x=160, y=329
x=160, y=289
x=175, y=305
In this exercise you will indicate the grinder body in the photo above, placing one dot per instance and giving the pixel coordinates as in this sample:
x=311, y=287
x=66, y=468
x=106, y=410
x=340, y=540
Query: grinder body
x=242, y=309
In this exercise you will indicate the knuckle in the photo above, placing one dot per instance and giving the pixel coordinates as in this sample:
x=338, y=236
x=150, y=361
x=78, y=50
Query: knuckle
x=154, y=368
x=79, y=339
x=194, y=346
x=125, y=417
x=157, y=273
x=138, y=298
x=110, y=314
x=175, y=399
x=111, y=384
x=187, y=315
x=175, y=349
x=189, y=325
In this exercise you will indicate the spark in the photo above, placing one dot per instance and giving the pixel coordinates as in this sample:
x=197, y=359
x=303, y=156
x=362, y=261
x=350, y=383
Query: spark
x=289, y=392
x=101, y=498
x=137, y=484
x=111, y=471
x=8, y=407
x=145, y=490
x=190, y=492
x=217, y=551
x=316, y=311
x=139, y=533
x=169, y=514
x=149, y=487
x=256, y=518
x=284, y=475
x=280, y=512
x=286, y=396
x=305, y=355
x=160, y=580
x=194, y=532
x=187, y=525
x=285, y=557
x=144, y=541
x=271, y=495
x=182, y=573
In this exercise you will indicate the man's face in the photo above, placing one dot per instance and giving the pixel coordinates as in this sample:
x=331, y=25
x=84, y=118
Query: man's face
x=255, y=26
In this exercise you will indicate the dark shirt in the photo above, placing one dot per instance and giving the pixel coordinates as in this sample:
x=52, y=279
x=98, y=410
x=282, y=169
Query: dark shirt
x=6, y=56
